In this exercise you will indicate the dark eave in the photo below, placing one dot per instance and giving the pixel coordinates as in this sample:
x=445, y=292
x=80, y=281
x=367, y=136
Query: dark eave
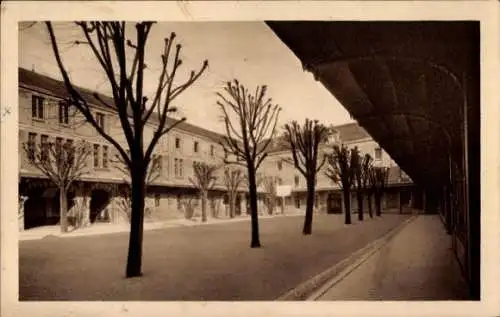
x=404, y=82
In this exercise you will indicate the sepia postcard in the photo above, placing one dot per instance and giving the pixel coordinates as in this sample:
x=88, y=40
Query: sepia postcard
x=241, y=158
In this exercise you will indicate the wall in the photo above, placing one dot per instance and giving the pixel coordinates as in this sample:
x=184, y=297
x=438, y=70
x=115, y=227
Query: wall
x=79, y=129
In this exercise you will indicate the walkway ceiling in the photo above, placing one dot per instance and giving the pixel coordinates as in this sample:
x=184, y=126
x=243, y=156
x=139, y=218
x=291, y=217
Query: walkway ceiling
x=402, y=82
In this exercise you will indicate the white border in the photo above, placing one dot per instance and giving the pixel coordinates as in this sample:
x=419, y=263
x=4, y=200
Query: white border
x=486, y=11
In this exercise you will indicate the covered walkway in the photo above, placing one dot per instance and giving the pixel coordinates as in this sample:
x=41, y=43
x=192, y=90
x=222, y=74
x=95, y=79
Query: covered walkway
x=418, y=263
x=414, y=86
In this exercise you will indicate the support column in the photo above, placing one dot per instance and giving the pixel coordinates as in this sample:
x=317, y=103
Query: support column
x=20, y=219
x=113, y=206
x=400, y=203
x=410, y=203
x=81, y=209
x=448, y=210
x=243, y=204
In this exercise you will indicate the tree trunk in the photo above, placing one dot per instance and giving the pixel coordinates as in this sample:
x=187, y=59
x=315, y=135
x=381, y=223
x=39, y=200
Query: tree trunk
x=347, y=205
x=309, y=208
x=63, y=210
x=378, y=205
x=370, y=210
x=359, y=196
x=232, y=205
x=203, y=206
x=134, y=259
x=255, y=242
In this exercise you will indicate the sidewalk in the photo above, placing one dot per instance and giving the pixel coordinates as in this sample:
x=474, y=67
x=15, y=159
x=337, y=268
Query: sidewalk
x=107, y=228
x=416, y=264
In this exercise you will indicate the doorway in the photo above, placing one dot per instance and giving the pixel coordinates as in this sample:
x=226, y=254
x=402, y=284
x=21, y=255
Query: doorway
x=99, y=202
x=334, y=203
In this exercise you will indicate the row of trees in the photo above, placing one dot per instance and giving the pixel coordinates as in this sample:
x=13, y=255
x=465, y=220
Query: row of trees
x=345, y=167
x=250, y=121
x=350, y=170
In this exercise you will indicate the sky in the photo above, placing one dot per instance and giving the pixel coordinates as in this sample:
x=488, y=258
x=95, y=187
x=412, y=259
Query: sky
x=247, y=51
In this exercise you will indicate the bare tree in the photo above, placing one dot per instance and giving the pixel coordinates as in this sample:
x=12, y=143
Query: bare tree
x=340, y=171
x=358, y=180
x=204, y=180
x=366, y=168
x=62, y=164
x=154, y=172
x=109, y=44
x=270, y=184
x=378, y=178
x=250, y=122
x=304, y=142
x=233, y=178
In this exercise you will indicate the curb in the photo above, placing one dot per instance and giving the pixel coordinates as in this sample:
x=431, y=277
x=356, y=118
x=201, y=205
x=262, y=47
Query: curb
x=156, y=227
x=316, y=286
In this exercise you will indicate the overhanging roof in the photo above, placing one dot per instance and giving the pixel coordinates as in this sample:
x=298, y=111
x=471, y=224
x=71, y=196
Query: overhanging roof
x=404, y=82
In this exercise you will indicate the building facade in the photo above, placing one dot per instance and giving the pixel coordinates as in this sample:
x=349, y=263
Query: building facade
x=100, y=195
x=400, y=193
x=44, y=116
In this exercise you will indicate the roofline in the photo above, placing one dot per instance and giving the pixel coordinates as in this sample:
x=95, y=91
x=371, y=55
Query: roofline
x=83, y=89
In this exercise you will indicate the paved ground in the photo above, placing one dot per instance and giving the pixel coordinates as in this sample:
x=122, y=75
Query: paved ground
x=211, y=262
x=417, y=264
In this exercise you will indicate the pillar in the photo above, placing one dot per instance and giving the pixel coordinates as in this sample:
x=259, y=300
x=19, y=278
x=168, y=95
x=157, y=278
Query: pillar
x=20, y=219
x=410, y=202
x=115, y=213
x=400, y=203
x=243, y=204
x=81, y=209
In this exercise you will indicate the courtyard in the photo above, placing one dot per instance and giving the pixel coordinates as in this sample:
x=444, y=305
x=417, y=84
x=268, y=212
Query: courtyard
x=208, y=262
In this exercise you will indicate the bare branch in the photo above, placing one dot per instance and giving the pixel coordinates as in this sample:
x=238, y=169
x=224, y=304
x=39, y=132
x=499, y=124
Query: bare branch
x=61, y=163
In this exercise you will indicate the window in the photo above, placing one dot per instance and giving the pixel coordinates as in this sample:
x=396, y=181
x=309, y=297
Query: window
x=96, y=155
x=195, y=147
x=180, y=167
x=179, y=202
x=403, y=176
x=212, y=150
x=58, y=145
x=157, y=200
x=105, y=156
x=71, y=151
x=176, y=167
x=177, y=143
x=160, y=163
x=31, y=145
x=99, y=118
x=63, y=112
x=280, y=181
x=296, y=179
x=37, y=104
x=378, y=153
x=45, y=147
x=157, y=163
x=280, y=165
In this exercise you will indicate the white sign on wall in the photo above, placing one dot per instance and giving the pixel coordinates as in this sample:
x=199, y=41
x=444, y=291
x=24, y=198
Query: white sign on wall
x=283, y=190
